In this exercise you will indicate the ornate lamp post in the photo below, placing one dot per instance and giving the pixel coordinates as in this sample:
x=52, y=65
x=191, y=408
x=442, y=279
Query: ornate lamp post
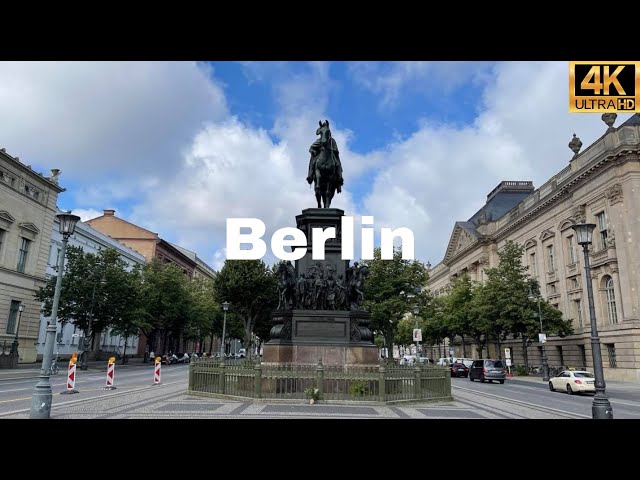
x=225, y=307
x=41, y=399
x=600, y=408
x=545, y=364
x=14, y=345
x=416, y=312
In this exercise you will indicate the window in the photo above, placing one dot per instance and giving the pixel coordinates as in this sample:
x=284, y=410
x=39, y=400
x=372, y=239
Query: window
x=602, y=228
x=532, y=264
x=574, y=283
x=611, y=302
x=13, y=317
x=611, y=349
x=571, y=250
x=550, y=261
x=1, y=239
x=551, y=289
x=22, y=255
x=577, y=306
x=583, y=355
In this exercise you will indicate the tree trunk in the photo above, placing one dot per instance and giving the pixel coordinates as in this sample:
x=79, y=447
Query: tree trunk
x=464, y=347
x=524, y=353
x=499, y=344
x=124, y=351
x=164, y=341
x=388, y=337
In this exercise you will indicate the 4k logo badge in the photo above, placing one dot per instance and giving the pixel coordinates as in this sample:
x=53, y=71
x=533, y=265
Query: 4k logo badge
x=604, y=87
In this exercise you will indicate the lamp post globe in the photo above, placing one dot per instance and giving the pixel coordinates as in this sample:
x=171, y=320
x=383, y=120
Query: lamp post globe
x=42, y=394
x=601, y=407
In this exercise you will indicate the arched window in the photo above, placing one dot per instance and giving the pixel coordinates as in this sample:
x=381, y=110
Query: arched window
x=611, y=301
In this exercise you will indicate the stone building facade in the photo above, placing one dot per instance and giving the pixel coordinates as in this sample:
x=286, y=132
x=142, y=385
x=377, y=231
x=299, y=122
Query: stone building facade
x=601, y=185
x=27, y=210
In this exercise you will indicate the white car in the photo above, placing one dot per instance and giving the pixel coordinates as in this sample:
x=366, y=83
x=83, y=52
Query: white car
x=573, y=381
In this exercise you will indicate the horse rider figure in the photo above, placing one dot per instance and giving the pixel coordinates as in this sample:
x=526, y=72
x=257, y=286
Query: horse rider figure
x=315, y=153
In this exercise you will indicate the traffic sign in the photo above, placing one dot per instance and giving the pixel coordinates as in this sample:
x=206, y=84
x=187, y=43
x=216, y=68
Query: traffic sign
x=507, y=353
x=417, y=335
x=542, y=337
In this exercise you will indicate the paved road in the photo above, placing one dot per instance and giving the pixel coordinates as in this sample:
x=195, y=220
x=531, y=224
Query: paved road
x=535, y=394
x=16, y=389
x=135, y=397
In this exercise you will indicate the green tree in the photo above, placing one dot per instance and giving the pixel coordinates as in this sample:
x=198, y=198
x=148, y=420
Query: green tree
x=202, y=310
x=93, y=290
x=164, y=302
x=251, y=289
x=505, y=305
x=386, y=291
x=457, y=313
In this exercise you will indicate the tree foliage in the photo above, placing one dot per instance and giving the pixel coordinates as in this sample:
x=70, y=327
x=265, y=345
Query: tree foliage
x=250, y=287
x=391, y=290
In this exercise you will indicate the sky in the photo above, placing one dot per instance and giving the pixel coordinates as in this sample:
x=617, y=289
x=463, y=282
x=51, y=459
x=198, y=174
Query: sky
x=179, y=147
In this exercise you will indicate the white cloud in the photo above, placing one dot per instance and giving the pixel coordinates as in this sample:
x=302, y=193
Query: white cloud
x=393, y=80
x=443, y=173
x=86, y=214
x=231, y=171
x=89, y=118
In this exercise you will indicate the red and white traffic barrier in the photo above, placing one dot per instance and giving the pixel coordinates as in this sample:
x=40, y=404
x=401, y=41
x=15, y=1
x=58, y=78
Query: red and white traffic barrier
x=111, y=370
x=71, y=377
x=156, y=371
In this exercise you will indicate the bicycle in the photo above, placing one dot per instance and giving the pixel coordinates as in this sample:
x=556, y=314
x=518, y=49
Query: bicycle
x=54, y=369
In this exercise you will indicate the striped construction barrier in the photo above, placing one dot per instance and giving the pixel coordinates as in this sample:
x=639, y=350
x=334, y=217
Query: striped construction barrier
x=157, y=370
x=111, y=370
x=71, y=376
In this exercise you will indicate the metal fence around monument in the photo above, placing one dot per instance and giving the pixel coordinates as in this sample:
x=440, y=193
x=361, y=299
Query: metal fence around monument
x=384, y=383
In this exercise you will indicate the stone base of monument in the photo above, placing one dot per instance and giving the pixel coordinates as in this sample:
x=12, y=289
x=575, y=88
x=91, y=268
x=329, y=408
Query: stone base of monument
x=304, y=337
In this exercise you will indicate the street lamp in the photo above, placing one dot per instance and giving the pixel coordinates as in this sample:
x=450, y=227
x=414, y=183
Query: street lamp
x=416, y=312
x=225, y=307
x=86, y=341
x=600, y=408
x=545, y=364
x=41, y=399
x=14, y=345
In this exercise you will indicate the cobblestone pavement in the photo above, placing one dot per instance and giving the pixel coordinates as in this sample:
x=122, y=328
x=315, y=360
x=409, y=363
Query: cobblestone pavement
x=170, y=401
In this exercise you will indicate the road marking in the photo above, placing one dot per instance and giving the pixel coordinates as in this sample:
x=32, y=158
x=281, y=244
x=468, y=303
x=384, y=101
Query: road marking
x=96, y=398
x=15, y=400
x=527, y=404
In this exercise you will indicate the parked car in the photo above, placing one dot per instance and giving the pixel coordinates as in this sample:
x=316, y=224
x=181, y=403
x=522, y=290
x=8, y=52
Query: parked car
x=488, y=370
x=459, y=369
x=408, y=360
x=573, y=381
x=467, y=361
x=241, y=353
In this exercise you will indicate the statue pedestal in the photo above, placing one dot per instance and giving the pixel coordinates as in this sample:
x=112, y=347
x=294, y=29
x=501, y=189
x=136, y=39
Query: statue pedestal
x=336, y=337
x=314, y=331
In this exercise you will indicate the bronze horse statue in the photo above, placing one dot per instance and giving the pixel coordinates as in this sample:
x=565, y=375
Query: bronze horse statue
x=327, y=169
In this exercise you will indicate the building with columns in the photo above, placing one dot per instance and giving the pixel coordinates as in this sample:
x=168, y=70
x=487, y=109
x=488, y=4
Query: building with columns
x=600, y=185
x=27, y=210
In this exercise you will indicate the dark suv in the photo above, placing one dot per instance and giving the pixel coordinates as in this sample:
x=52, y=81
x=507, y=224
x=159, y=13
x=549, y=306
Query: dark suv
x=487, y=370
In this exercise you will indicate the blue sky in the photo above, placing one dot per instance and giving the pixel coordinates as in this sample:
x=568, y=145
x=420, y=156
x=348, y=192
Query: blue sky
x=178, y=147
